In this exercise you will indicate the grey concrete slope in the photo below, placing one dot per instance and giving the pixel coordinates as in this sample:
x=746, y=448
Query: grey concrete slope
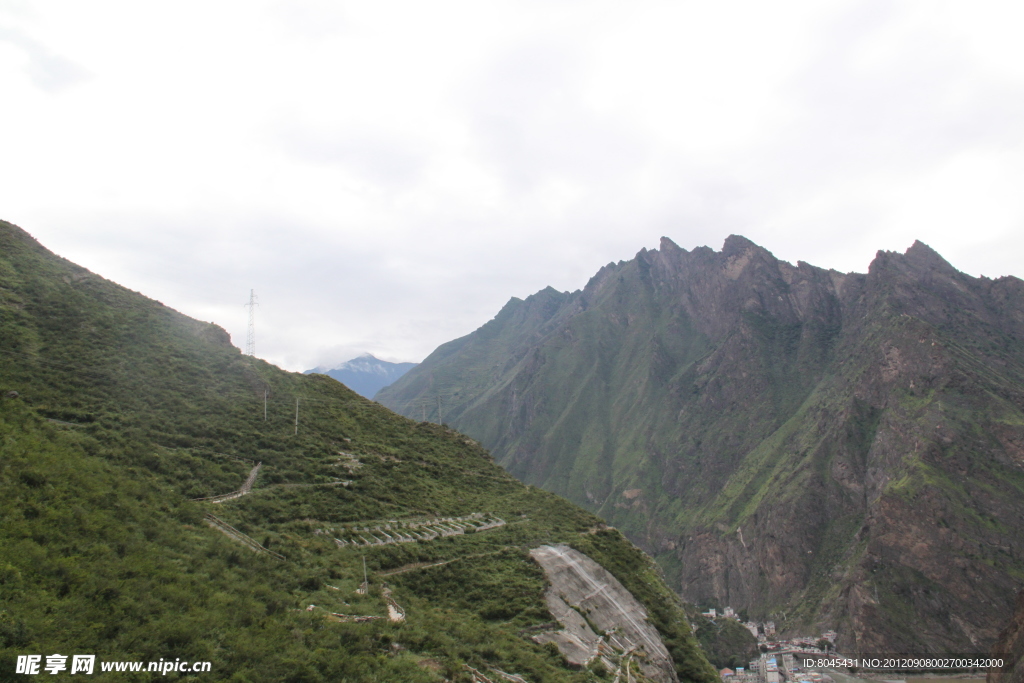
x=582, y=590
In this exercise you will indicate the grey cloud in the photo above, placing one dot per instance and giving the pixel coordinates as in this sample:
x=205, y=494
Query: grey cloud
x=315, y=19
x=382, y=159
x=533, y=123
x=434, y=273
x=854, y=125
x=918, y=109
x=321, y=296
x=48, y=71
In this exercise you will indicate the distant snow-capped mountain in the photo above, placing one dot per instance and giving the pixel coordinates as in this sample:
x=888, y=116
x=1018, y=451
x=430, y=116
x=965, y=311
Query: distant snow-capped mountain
x=365, y=375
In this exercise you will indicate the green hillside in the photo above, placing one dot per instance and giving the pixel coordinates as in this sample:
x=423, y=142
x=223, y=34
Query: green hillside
x=826, y=450
x=117, y=412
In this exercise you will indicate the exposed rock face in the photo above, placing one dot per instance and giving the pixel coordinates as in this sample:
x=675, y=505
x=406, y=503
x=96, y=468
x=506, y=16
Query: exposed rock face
x=830, y=450
x=577, y=641
x=1010, y=647
x=580, y=586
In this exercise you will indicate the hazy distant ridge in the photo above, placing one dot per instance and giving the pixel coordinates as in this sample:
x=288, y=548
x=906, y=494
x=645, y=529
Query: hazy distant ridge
x=365, y=375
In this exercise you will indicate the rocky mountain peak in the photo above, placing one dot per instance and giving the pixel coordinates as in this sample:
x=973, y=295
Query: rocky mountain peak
x=737, y=244
x=667, y=246
x=923, y=256
x=784, y=438
x=919, y=260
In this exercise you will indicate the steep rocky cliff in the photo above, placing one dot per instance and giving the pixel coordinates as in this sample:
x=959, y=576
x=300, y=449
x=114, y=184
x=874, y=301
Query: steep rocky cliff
x=826, y=449
x=1009, y=647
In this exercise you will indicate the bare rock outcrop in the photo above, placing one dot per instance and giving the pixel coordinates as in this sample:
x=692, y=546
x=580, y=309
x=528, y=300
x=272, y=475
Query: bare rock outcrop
x=583, y=596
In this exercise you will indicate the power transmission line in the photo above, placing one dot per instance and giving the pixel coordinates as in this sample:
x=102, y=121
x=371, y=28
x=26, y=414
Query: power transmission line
x=250, y=339
x=428, y=404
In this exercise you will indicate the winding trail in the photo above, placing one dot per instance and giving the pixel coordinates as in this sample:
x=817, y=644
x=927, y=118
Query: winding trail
x=414, y=567
x=244, y=490
x=231, y=532
x=427, y=565
x=395, y=611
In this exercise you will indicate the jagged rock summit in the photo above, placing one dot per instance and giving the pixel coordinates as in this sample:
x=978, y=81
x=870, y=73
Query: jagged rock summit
x=825, y=449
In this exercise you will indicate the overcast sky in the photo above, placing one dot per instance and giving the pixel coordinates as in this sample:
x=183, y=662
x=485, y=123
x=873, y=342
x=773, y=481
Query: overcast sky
x=386, y=175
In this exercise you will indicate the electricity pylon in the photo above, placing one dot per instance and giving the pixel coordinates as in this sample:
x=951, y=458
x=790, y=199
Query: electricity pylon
x=250, y=339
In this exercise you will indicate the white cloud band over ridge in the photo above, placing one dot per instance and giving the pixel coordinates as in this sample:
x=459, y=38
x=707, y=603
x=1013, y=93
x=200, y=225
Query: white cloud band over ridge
x=386, y=175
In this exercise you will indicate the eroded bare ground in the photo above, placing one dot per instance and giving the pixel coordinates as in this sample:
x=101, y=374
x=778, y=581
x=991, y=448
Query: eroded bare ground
x=395, y=611
x=396, y=614
x=583, y=597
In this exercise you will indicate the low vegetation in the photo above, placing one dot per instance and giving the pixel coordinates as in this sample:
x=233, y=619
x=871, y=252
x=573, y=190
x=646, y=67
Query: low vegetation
x=116, y=413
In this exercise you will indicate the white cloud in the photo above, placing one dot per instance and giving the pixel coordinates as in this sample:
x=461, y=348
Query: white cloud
x=47, y=71
x=386, y=175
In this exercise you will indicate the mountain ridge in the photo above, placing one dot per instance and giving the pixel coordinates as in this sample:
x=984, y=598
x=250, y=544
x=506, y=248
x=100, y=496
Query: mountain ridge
x=768, y=431
x=357, y=545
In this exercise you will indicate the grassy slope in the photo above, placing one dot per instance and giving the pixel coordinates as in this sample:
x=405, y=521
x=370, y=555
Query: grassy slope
x=127, y=410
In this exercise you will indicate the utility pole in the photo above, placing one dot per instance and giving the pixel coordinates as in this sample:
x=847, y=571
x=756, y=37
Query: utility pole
x=250, y=339
x=296, y=416
x=439, y=420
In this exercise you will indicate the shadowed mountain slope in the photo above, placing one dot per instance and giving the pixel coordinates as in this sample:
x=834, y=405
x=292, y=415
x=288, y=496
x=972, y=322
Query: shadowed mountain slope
x=123, y=423
x=825, y=449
